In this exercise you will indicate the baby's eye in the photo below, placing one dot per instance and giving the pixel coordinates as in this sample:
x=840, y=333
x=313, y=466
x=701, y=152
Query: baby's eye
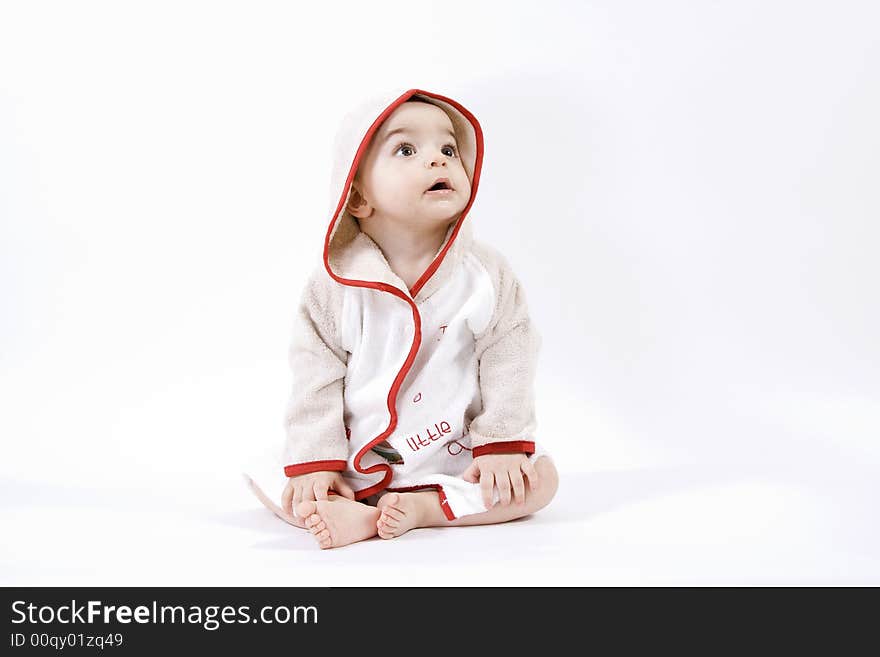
x=447, y=147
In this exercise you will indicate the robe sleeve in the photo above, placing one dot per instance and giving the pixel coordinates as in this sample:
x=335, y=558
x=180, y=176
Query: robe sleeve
x=507, y=351
x=315, y=430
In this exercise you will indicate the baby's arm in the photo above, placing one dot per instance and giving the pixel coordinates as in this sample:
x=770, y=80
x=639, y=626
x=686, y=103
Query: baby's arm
x=317, y=447
x=502, y=435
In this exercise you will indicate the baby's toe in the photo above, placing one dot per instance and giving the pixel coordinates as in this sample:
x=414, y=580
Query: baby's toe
x=318, y=526
x=305, y=509
x=395, y=514
x=323, y=538
x=388, y=499
x=388, y=520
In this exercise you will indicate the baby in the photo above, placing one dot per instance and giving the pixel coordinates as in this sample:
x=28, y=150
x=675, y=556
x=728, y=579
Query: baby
x=413, y=352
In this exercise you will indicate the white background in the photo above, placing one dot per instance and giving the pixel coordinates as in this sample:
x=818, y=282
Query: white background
x=688, y=190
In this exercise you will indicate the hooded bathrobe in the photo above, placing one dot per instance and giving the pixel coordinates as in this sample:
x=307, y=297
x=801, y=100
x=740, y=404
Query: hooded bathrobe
x=399, y=389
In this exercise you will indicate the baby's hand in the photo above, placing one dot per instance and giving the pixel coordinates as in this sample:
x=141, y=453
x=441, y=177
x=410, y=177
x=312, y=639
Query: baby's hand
x=504, y=471
x=313, y=486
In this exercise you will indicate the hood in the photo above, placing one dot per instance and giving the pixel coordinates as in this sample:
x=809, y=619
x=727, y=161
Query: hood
x=351, y=257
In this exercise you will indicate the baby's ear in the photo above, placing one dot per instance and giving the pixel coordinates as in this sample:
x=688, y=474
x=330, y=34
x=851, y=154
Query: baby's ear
x=357, y=205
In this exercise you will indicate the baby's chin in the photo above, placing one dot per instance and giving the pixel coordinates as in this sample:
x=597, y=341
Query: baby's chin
x=435, y=208
x=437, y=217
x=429, y=215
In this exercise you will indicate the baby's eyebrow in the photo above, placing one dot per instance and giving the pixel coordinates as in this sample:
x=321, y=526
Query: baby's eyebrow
x=406, y=130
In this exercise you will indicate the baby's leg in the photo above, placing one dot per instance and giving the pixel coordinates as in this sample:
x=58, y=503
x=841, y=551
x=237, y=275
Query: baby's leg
x=401, y=512
x=338, y=520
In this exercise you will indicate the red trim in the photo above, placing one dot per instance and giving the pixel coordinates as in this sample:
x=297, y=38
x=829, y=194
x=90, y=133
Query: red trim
x=372, y=490
x=509, y=447
x=444, y=503
x=417, y=339
x=295, y=469
x=478, y=164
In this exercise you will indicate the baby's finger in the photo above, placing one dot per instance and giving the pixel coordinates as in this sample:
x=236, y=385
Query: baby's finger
x=531, y=472
x=472, y=473
x=344, y=489
x=297, y=498
x=502, y=480
x=320, y=490
x=519, y=488
x=287, y=500
x=487, y=481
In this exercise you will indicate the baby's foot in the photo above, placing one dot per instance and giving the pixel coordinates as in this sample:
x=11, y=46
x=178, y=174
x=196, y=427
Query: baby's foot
x=400, y=512
x=338, y=521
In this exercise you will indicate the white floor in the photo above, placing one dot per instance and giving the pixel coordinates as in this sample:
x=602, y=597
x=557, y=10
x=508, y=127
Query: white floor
x=112, y=479
x=677, y=526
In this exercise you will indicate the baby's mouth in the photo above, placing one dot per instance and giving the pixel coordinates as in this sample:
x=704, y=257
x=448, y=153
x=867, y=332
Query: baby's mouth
x=440, y=185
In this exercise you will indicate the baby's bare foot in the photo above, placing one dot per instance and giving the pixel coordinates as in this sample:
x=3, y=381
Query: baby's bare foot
x=400, y=512
x=338, y=521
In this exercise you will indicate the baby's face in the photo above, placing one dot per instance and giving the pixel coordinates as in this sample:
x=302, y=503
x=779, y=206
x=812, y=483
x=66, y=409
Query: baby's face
x=414, y=147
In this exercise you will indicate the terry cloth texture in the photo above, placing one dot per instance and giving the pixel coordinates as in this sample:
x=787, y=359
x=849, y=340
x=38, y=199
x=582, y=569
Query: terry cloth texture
x=399, y=389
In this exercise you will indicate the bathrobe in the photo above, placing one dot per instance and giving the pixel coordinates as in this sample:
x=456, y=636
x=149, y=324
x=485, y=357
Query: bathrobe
x=399, y=388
